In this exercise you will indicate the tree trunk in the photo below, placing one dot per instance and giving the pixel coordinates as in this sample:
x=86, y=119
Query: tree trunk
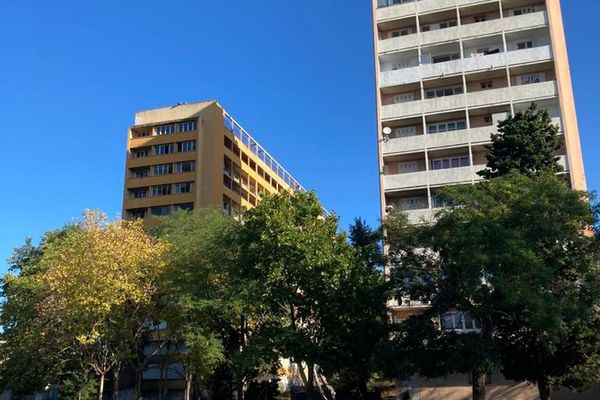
x=310, y=384
x=478, y=385
x=544, y=389
x=138, y=383
x=187, y=395
x=362, y=389
x=101, y=388
x=240, y=389
x=116, y=371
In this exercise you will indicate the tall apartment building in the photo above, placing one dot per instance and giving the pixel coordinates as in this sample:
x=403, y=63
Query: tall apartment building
x=196, y=156
x=447, y=71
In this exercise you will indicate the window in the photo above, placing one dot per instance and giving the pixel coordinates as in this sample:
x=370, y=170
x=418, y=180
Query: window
x=163, y=169
x=521, y=11
x=445, y=57
x=161, y=190
x=425, y=28
x=184, y=206
x=139, y=134
x=405, y=131
x=406, y=167
x=185, y=166
x=479, y=18
x=140, y=172
x=400, y=32
x=164, y=149
x=165, y=129
x=185, y=187
x=448, y=126
x=141, y=153
x=400, y=65
x=451, y=91
x=138, y=213
x=486, y=85
x=186, y=146
x=161, y=210
x=525, y=44
x=403, y=98
x=139, y=193
x=488, y=119
x=446, y=163
x=412, y=203
x=531, y=78
x=437, y=202
x=459, y=321
x=187, y=126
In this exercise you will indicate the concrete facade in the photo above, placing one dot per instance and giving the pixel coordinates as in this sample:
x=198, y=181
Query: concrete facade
x=446, y=72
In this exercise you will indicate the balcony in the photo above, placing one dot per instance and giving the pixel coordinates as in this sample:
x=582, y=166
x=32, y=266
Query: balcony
x=468, y=65
x=520, y=93
x=423, y=216
x=421, y=179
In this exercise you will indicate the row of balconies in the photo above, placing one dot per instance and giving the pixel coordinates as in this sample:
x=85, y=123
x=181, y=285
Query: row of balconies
x=532, y=20
x=465, y=65
x=422, y=6
x=440, y=177
x=475, y=136
x=484, y=98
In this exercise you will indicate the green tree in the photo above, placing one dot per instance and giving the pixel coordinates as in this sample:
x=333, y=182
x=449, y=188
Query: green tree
x=513, y=254
x=526, y=142
x=355, y=323
x=211, y=311
x=293, y=258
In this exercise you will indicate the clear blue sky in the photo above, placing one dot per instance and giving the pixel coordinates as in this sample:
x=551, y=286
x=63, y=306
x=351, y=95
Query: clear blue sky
x=297, y=75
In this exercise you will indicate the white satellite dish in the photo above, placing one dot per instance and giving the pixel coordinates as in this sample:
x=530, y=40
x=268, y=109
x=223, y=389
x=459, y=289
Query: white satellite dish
x=387, y=130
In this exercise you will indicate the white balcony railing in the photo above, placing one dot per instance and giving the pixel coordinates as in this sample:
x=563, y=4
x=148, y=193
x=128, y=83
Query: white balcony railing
x=435, y=177
x=519, y=93
x=486, y=28
x=468, y=65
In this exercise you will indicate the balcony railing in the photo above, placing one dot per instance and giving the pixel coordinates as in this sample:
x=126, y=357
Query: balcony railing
x=468, y=65
x=389, y=11
x=421, y=179
x=519, y=93
x=466, y=31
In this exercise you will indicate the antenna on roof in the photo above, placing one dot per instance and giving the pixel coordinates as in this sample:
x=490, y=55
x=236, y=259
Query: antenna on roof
x=179, y=103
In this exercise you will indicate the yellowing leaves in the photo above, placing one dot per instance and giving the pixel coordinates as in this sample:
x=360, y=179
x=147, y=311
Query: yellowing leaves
x=101, y=266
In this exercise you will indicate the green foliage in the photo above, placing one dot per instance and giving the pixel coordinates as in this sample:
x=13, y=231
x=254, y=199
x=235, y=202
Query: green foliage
x=526, y=142
x=515, y=254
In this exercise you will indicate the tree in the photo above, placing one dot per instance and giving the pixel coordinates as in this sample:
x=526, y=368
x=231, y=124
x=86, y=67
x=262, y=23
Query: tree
x=31, y=356
x=293, y=258
x=208, y=315
x=355, y=322
x=513, y=254
x=526, y=142
x=97, y=280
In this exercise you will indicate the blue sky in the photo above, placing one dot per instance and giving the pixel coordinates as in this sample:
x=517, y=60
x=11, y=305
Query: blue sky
x=296, y=75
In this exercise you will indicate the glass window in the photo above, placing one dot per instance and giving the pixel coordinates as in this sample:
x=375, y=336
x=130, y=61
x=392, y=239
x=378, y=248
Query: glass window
x=461, y=125
x=186, y=146
x=185, y=187
x=161, y=190
x=141, y=153
x=161, y=210
x=432, y=128
x=163, y=169
x=184, y=206
x=451, y=126
x=164, y=149
x=187, y=126
x=185, y=166
x=165, y=129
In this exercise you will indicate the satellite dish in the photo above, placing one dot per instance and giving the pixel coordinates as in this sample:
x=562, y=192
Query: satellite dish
x=387, y=130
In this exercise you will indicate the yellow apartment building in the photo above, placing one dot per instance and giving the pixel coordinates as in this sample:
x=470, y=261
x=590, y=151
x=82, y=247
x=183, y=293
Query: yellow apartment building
x=196, y=156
